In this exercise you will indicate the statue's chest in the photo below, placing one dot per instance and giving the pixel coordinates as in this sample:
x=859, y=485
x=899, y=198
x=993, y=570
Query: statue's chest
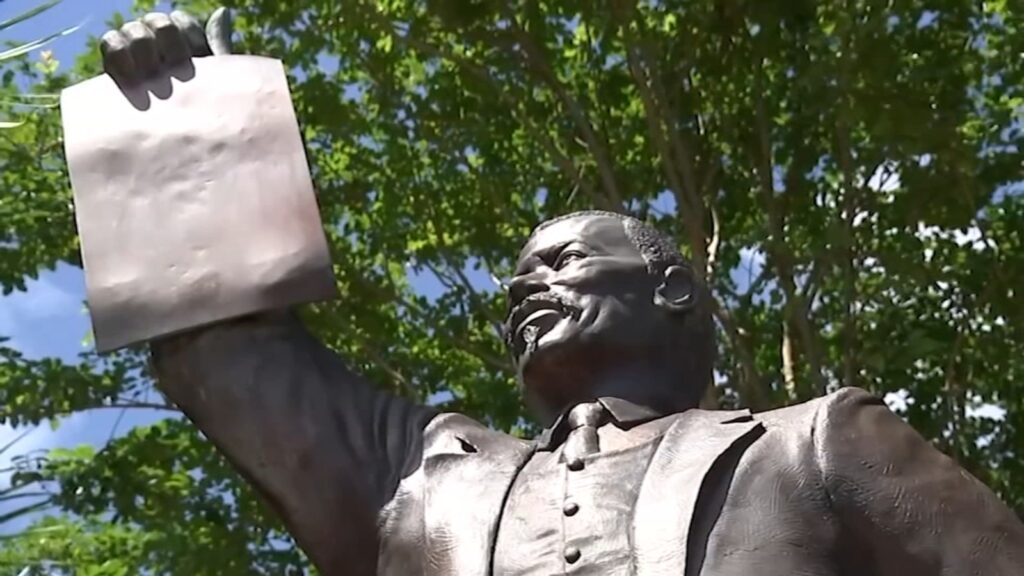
x=626, y=506
x=558, y=519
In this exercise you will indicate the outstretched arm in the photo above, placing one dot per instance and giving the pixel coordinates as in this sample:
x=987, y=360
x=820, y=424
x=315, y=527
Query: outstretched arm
x=323, y=446
x=912, y=507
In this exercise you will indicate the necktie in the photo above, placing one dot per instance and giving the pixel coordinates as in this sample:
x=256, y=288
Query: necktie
x=583, y=421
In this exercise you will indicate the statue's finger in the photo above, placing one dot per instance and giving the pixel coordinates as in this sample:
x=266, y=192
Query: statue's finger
x=170, y=43
x=142, y=45
x=117, y=60
x=193, y=32
x=218, y=32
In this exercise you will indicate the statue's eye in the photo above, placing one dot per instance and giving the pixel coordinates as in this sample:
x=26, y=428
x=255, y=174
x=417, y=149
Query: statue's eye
x=568, y=257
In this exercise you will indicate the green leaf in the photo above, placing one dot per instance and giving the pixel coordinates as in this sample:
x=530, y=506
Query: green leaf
x=35, y=44
x=28, y=14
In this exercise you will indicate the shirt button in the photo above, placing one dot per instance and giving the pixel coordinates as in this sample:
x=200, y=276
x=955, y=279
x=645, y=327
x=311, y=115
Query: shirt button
x=570, y=508
x=572, y=554
x=575, y=464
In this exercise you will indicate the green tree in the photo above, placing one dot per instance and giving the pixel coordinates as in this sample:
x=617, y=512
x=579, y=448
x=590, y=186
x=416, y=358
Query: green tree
x=845, y=173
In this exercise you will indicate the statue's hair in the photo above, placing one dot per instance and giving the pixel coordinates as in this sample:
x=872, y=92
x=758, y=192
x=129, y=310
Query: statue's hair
x=698, y=329
x=657, y=249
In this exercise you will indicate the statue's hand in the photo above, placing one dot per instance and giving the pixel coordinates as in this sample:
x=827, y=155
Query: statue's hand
x=143, y=48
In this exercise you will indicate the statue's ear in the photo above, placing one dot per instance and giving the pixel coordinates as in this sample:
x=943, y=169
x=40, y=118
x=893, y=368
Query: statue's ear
x=677, y=292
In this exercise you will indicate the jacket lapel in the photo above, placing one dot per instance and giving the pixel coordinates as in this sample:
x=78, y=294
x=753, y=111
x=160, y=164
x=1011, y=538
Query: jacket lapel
x=663, y=521
x=467, y=477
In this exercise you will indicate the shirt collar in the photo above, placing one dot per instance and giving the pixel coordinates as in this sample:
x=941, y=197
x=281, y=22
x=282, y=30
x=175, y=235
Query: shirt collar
x=622, y=412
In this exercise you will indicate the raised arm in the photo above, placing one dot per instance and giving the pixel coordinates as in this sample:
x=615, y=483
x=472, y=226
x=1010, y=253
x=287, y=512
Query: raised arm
x=324, y=447
x=914, y=510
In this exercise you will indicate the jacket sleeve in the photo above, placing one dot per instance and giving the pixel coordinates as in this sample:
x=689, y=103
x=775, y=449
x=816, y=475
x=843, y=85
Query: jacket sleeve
x=912, y=508
x=324, y=447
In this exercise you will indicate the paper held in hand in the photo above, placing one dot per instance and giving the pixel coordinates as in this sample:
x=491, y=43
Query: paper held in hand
x=193, y=199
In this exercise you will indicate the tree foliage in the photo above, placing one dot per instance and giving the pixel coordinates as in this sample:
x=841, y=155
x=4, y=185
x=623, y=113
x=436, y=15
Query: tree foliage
x=845, y=173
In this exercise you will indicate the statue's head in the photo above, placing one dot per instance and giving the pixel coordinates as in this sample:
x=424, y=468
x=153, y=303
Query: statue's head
x=604, y=304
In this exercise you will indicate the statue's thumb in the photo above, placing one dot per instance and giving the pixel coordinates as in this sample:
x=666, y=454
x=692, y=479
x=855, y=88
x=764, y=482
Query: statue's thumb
x=218, y=32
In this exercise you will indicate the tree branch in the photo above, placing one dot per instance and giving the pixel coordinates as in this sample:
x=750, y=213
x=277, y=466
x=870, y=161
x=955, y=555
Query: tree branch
x=564, y=163
x=537, y=62
x=750, y=385
x=674, y=146
x=460, y=343
x=689, y=207
x=716, y=238
x=135, y=405
x=788, y=363
x=780, y=254
x=849, y=207
x=474, y=296
x=402, y=385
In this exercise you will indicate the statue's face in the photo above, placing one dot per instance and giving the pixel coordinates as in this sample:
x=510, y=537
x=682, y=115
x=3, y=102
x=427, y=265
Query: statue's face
x=581, y=296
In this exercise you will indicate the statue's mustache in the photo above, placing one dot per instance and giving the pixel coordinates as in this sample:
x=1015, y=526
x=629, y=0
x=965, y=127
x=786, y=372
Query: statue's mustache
x=519, y=313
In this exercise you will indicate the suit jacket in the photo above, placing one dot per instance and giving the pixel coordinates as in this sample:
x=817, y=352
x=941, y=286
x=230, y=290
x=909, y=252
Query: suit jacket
x=368, y=483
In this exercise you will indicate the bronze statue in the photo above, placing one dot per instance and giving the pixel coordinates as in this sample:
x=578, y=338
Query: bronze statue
x=612, y=337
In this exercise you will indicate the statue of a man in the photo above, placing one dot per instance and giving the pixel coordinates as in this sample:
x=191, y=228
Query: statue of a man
x=611, y=332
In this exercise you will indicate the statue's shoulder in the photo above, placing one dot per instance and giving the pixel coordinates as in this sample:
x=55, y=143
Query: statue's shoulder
x=823, y=410
x=454, y=430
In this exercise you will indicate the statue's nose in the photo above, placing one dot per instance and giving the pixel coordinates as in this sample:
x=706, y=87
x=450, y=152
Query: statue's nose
x=521, y=287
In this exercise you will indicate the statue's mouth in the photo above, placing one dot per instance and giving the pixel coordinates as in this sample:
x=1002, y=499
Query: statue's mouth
x=534, y=318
